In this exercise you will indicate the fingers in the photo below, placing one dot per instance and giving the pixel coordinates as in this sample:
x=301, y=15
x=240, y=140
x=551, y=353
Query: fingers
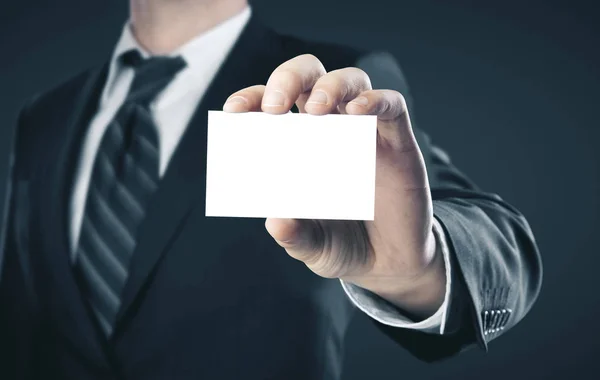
x=301, y=238
x=388, y=105
x=336, y=88
x=246, y=100
x=330, y=248
x=291, y=79
x=394, y=122
x=302, y=81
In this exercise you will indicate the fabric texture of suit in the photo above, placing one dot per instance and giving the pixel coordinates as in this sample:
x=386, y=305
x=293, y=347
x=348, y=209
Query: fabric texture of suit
x=217, y=298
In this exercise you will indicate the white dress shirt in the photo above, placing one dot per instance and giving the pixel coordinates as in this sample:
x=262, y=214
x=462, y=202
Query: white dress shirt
x=172, y=111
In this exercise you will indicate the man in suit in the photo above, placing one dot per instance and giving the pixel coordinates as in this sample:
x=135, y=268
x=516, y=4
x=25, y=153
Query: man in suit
x=110, y=270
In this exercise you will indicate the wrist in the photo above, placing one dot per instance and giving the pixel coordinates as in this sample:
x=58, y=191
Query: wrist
x=420, y=295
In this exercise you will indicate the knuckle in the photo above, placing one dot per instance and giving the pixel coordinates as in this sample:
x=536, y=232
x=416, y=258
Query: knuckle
x=402, y=105
x=401, y=99
x=284, y=77
x=332, y=82
x=311, y=57
x=318, y=69
x=394, y=101
x=359, y=78
x=349, y=81
x=361, y=74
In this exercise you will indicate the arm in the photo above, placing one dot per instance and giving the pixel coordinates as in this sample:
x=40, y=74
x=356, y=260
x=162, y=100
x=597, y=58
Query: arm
x=494, y=260
x=387, y=314
x=496, y=266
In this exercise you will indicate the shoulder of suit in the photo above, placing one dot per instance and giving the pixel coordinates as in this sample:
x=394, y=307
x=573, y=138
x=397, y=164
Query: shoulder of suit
x=39, y=113
x=62, y=94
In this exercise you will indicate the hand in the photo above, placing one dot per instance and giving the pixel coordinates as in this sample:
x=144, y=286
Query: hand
x=395, y=255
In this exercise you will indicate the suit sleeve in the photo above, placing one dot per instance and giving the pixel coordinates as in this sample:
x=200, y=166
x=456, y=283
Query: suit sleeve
x=17, y=312
x=496, y=265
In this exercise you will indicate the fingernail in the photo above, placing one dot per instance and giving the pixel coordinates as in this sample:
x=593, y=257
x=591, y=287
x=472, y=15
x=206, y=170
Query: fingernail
x=237, y=100
x=274, y=98
x=232, y=102
x=318, y=97
x=361, y=101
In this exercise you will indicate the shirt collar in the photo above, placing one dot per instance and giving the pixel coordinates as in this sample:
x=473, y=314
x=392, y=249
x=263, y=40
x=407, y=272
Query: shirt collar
x=194, y=52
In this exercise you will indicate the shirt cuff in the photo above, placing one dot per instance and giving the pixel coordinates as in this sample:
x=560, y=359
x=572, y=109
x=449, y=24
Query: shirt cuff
x=385, y=313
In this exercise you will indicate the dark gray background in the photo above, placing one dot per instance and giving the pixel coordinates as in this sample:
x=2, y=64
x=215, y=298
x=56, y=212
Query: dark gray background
x=510, y=90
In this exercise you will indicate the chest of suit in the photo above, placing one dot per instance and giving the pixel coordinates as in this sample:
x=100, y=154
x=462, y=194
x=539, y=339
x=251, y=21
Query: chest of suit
x=202, y=291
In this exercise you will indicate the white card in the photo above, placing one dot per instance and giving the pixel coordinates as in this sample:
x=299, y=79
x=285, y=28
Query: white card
x=291, y=166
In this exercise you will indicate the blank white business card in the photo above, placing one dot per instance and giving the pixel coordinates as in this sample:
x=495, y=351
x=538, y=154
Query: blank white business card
x=291, y=166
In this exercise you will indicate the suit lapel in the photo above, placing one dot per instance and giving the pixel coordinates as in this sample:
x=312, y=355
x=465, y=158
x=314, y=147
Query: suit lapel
x=66, y=303
x=183, y=185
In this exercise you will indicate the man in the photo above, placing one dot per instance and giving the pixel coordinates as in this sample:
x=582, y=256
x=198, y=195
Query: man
x=110, y=270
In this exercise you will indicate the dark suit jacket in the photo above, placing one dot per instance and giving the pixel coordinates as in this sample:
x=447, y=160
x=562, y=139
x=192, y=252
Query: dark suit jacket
x=217, y=298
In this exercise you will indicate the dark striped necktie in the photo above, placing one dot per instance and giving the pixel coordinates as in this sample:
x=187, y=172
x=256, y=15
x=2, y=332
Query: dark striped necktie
x=124, y=178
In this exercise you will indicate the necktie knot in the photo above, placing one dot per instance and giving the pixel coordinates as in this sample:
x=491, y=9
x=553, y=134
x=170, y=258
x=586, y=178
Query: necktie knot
x=152, y=74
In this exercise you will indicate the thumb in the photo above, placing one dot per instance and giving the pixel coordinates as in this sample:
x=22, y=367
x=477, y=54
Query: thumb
x=301, y=238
